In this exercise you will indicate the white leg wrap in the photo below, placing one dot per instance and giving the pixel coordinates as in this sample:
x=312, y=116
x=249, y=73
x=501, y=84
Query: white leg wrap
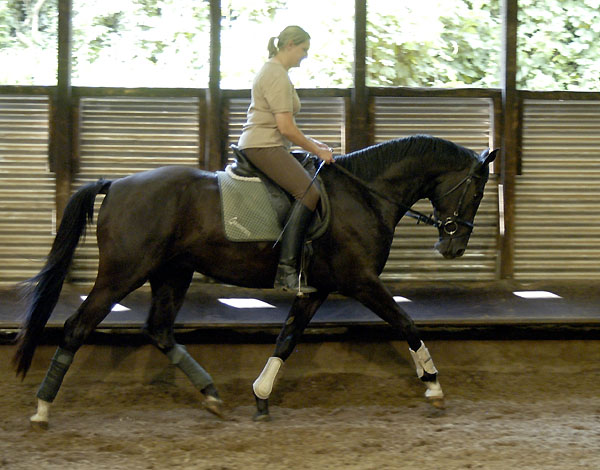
x=423, y=361
x=43, y=412
x=263, y=385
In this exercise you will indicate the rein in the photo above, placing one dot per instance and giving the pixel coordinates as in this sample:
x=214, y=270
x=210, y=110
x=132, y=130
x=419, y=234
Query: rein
x=450, y=225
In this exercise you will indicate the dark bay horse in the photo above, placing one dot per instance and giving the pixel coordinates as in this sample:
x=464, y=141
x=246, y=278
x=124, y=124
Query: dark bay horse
x=162, y=225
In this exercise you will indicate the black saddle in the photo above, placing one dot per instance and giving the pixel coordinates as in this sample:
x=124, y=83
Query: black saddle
x=281, y=199
x=245, y=168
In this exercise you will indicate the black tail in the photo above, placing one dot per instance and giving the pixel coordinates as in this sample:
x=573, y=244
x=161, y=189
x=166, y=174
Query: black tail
x=48, y=283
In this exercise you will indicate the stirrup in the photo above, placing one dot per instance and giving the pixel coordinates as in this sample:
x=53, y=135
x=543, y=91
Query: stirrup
x=289, y=280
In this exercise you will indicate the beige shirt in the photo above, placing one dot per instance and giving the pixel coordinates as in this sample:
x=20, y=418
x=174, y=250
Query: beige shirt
x=272, y=92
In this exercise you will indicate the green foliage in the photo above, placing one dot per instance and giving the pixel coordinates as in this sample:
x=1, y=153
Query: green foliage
x=558, y=45
x=28, y=23
x=28, y=41
x=257, y=11
x=450, y=43
x=429, y=43
x=141, y=43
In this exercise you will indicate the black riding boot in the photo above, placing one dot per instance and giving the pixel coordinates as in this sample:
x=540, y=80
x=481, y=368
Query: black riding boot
x=291, y=247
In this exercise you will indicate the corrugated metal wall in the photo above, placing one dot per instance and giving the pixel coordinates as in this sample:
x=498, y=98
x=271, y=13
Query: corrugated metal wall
x=557, y=211
x=467, y=122
x=123, y=135
x=27, y=189
x=557, y=218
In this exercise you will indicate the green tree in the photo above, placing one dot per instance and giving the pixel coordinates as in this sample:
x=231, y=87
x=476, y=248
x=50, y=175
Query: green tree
x=558, y=45
x=430, y=43
x=141, y=43
x=434, y=43
x=28, y=42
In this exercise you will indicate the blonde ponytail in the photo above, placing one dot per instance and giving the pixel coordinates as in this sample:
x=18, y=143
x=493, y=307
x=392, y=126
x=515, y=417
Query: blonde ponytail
x=272, y=47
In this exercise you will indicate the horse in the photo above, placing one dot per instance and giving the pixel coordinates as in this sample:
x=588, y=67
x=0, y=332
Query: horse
x=164, y=224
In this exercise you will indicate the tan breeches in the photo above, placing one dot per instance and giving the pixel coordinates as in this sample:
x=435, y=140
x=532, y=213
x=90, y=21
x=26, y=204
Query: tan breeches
x=279, y=165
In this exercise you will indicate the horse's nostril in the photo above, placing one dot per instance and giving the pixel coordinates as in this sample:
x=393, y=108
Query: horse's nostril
x=460, y=252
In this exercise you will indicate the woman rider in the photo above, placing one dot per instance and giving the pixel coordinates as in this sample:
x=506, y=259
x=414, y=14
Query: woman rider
x=267, y=136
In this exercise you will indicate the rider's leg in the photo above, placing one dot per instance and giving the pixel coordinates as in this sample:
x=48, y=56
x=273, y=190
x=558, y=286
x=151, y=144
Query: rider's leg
x=279, y=165
x=287, y=277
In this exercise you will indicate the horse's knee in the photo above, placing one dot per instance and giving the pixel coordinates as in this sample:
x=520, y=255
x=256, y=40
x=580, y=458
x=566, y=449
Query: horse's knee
x=161, y=338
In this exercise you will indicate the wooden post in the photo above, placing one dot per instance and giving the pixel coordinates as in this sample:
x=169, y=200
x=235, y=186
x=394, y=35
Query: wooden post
x=214, y=149
x=61, y=145
x=510, y=152
x=359, y=109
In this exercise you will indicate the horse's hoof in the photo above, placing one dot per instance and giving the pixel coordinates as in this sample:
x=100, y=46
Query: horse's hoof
x=38, y=426
x=261, y=417
x=214, y=405
x=435, y=395
x=438, y=403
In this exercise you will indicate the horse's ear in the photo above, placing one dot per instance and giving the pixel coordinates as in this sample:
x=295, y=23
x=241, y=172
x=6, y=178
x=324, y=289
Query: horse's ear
x=486, y=157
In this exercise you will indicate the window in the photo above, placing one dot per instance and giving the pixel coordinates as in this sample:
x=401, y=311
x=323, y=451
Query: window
x=28, y=42
x=558, y=47
x=141, y=43
x=433, y=43
x=248, y=25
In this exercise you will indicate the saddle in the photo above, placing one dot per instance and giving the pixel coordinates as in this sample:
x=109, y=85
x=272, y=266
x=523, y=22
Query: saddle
x=242, y=178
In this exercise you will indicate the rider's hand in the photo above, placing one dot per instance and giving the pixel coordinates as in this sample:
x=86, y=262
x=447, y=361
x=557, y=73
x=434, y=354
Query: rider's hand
x=325, y=154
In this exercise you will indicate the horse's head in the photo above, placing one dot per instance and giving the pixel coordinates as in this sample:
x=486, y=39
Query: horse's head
x=455, y=200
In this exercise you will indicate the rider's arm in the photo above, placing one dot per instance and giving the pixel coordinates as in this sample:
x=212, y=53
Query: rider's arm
x=287, y=127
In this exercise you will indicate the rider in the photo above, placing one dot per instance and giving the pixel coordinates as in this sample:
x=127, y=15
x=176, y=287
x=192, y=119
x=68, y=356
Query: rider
x=267, y=136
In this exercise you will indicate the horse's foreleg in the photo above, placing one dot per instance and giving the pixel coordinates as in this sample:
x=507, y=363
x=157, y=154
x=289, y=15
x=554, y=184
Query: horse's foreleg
x=427, y=372
x=169, y=287
x=302, y=311
x=377, y=298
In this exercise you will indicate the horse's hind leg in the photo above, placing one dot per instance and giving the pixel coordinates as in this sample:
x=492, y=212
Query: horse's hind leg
x=302, y=311
x=169, y=287
x=76, y=329
x=377, y=298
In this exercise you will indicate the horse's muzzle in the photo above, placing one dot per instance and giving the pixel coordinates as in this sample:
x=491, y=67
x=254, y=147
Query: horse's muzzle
x=452, y=247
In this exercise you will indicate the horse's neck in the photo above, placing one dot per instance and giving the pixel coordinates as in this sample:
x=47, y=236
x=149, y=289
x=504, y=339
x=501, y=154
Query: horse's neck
x=388, y=195
x=405, y=182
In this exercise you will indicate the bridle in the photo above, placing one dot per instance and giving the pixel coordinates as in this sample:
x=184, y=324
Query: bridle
x=450, y=224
